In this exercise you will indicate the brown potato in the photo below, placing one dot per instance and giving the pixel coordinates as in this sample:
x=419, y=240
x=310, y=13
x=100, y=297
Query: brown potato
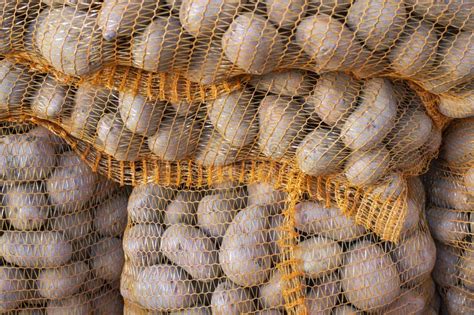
x=253, y=44
x=281, y=119
x=315, y=218
x=466, y=268
x=192, y=250
x=409, y=302
x=271, y=292
x=215, y=213
x=214, y=150
x=321, y=153
x=459, y=301
x=245, y=252
x=414, y=210
x=292, y=82
x=62, y=282
x=377, y=23
x=447, y=226
x=52, y=99
x=391, y=188
x=458, y=142
x=318, y=256
x=123, y=17
x=70, y=41
x=234, y=117
x=445, y=272
x=449, y=192
x=109, y=302
x=333, y=96
x=72, y=183
x=286, y=13
x=368, y=125
x=367, y=167
x=230, y=299
x=77, y=305
x=26, y=207
x=14, y=81
x=107, y=258
x=322, y=297
x=369, y=277
x=141, y=244
x=156, y=47
x=111, y=216
x=147, y=203
x=411, y=132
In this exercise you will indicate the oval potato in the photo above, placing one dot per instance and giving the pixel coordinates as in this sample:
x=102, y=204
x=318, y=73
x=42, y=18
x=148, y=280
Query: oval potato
x=457, y=106
x=62, y=282
x=214, y=150
x=318, y=256
x=367, y=167
x=447, y=226
x=226, y=291
x=466, y=268
x=183, y=208
x=75, y=226
x=26, y=207
x=292, y=82
x=52, y=99
x=107, y=258
x=215, y=213
x=147, y=203
x=14, y=81
x=323, y=296
x=111, y=216
x=141, y=244
x=458, y=142
x=13, y=288
x=77, y=305
x=286, y=13
x=271, y=292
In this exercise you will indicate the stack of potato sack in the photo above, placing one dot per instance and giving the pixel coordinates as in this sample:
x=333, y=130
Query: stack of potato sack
x=451, y=216
x=221, y=250
x=61, y=228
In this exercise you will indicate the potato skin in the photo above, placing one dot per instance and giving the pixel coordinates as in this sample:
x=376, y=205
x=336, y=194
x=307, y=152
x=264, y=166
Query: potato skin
x=52, y=99
x=215, y=213
x=26, y=207
x=264, y=194
x=214, y=150
x=321, y=153
x=366, y=263
x=411, y=131
x=458, y=106
x=345, y=310
x=147, y=203
x=322, y=297
x=315, y=218
x=34, y=249
x=285, y=14
x=449, y=192
x=164, y=288
x=107, y=258
x=447, y=226
x=62, y=282
x=466, y=268
x=183, y=208
x=72, y=183
x=77, y=305
x=110, y=302
x=226, y=291
x=245, y=253
x=281, y=119
x=319, y=256
x=334, y=94
x=445, y=272
x=270, y=292
x=374, y=118
x=111, y=216
x=367, y=167
x=286, y=82
x=14, y=80
x=459, y=301
x=252, y=44
x=141, y=244
x=458, y=142
x=13, y=288
x=193, y=250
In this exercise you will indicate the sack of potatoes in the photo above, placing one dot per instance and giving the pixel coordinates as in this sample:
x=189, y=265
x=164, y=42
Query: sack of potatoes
x=178, y=260
x=61, y=228
x=450, y=214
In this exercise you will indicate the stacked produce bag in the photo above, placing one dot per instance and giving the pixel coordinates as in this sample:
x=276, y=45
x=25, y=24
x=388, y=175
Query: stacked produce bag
x=273, y=148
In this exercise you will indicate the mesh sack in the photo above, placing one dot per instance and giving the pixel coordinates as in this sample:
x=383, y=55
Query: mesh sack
x=450, y=216
x=61, y=228
x=230, y=248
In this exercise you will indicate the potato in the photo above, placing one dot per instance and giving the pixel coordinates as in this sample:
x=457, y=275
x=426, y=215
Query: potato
x=51, y=100
x=345, y=310
x=111, y=216
x=411, y=131
x=285, y=14
x=458, y=144
x=141, y=244
x=322, y=297
x=147, y=203
x=203, y=310
x=456, y=13
x=191, y=249
x=77, y=305
x=12, y=22
x=253, y=44
x=367, y=167
x=107, y=258
x=230, y=299
x=117, y=141
x=369, y=277
x=245, y=252
x=13, y=288
x=70, y=41
x=204, y=18
x=139, y=114
x=450, y=193
x=409, y=302
x=35, y=249
x=329, y=44
x=215, y=213
x=466, y=268
x=90, y=103
x=123, y=17
x=264, y=194
x=62, y=282
x=269, y=312
x=26, y=207
x=333, y=96
x=233, y=116
x=183, y=208
x=315, y=218
x=107, y=188
x=458, y=301
x=72, y=183
x=416, y=190
x=391, y=188
x=156, y=47
x=457, y=106
x=184, y=108
x=76, y=225
x=321, y=153
x=271, y=292
x=281, y=120
x=456, y=66
x=291, y=82
x=164, y=288
x=14, y=81
x=109, y=302
x=318, y=256
x=415, y=257
x=176, y=138
x=214, y=150
x=414, y=210
x=377, y=23
x=366, y=126
x=469, y=181
x=60, y=145
x=447, y=226
x=31, y=312
x=415, y=50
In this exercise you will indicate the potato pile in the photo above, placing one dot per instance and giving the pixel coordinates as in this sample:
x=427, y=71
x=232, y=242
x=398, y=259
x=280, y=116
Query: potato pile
x=61, y=227
x=451, y=216
x=216, y=250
